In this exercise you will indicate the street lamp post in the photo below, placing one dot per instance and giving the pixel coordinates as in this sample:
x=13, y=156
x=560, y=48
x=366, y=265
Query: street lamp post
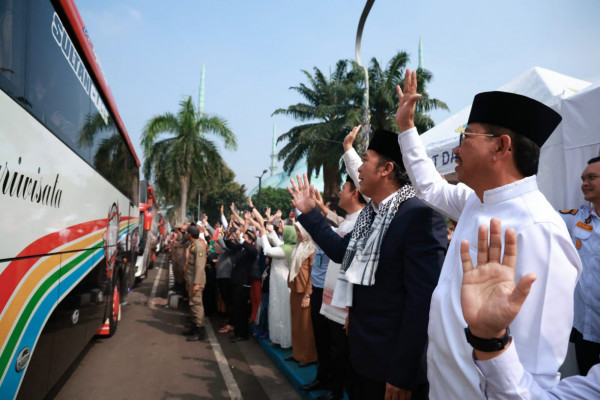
x=259, y=183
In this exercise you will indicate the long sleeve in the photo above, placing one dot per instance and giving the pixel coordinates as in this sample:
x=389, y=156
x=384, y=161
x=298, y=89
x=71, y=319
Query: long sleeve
x=325, y=237
x=430, y=186
x=352, y=161
x=224, y=222
x=275, y=252
x=504, y=378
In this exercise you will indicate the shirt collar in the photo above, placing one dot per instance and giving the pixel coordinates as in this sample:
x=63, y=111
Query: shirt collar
x=512, y=190
x=382, y=202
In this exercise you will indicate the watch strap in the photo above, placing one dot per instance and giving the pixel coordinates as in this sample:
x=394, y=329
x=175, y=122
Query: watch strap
x=487, y=345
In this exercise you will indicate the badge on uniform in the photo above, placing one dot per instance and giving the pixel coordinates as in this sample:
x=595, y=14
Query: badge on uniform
x=584, y=226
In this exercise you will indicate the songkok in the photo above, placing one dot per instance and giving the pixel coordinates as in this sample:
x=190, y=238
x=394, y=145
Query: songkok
x=193, y=231
x=385, y=143
x=521, y=114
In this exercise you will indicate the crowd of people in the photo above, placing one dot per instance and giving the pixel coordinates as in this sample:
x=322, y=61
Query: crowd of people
x=385, y=299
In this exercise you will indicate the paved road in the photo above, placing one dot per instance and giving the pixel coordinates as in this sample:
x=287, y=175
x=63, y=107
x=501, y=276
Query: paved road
x=149, y=359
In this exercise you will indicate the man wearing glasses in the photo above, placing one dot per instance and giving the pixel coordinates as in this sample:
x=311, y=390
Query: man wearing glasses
x=497, y=160
x=584, y=226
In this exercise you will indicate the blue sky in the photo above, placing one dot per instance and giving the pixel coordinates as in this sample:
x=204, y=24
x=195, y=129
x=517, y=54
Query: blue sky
x=152, y=53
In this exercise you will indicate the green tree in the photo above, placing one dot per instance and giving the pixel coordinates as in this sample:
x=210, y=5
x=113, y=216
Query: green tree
x=329, y=110
x=185, y=155
x=224, y=192
x=276, y=198
x=383, y=100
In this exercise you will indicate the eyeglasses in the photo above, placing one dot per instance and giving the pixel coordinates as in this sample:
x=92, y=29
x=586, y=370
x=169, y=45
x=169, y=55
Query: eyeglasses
x=462, y=136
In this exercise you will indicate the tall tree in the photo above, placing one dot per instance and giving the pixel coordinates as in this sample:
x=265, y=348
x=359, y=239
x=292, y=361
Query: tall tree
x=185, y=154
x=384, y=100
x=331, y=107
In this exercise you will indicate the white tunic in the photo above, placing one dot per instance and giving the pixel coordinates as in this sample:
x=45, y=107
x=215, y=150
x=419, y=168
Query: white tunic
x=280, y=317
x=543, y=326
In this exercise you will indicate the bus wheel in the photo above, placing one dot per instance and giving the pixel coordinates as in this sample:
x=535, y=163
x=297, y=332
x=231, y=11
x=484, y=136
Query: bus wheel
x=115, y=310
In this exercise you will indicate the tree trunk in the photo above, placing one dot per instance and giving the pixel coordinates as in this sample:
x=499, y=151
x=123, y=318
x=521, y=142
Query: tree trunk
x=332, y=182
x=183, y=181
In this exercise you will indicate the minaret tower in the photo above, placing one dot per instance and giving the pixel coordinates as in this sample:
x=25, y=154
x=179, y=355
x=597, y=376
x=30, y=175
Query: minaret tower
x=421, y=63
x=273, y=166
x=201, y=93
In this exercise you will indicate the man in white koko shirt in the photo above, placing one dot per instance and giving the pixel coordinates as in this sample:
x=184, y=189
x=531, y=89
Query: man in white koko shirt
x=497, y=159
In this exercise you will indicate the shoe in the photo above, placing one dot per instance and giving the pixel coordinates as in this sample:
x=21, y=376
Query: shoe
x=314, y=385
x=289, y=358
x=305, y=364
x=193, y=329
x=236, y=339
x=199, y=335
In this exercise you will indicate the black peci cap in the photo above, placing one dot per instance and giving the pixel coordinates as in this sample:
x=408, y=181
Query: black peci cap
x=521, y=114
x=386, y=144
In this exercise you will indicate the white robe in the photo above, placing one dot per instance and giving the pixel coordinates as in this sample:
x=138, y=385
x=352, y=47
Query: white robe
x=280, y=317
x=543, y=326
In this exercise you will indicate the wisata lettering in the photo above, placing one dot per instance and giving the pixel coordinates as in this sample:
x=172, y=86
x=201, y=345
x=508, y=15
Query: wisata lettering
x=18, y=185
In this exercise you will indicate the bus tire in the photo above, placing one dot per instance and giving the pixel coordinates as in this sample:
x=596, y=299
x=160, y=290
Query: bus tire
x=115, y=309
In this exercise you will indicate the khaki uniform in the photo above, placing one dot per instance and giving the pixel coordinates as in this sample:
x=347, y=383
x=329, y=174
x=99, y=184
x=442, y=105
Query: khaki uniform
x=177, y=258
x=195, y=275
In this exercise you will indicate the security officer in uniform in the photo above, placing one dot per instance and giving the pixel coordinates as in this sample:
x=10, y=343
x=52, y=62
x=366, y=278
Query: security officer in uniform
x=178, y=260
x=584, y=227
x=195, y=278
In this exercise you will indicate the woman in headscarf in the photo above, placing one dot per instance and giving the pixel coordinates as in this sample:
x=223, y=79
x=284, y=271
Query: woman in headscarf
x=303, y=339
x=280, y=325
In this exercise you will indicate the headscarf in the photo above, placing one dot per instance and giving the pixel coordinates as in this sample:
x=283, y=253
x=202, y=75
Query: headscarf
x=301, y=252
x=289, y=241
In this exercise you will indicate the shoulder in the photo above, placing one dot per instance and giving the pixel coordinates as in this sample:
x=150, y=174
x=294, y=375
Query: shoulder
x=572, y=211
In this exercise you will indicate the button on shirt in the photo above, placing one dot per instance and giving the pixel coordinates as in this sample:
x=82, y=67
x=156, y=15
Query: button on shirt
x=543, y=326
x=586, y=238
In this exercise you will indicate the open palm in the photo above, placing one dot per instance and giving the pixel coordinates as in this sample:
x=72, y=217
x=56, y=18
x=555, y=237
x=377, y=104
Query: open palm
x=490, y=300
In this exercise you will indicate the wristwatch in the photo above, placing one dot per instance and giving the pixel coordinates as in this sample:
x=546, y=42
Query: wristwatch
x=488, y=345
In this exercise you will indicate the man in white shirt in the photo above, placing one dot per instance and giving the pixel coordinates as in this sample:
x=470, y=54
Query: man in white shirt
x=490, y=302
x=497, y=160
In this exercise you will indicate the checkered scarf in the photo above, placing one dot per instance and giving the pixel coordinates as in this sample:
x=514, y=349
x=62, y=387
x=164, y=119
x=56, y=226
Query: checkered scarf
x=362, y=255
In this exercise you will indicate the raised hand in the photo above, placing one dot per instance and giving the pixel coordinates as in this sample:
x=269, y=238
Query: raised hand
x=407, y=101
x=490, y=300
x=349, y=139
x=302, y=194
x=250, y=202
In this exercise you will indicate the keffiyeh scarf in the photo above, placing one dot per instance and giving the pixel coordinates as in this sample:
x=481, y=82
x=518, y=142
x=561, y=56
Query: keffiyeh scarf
x=362, y=255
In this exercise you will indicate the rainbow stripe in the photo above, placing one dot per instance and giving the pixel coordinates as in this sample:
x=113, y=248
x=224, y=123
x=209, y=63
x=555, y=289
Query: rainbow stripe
x=31, y=288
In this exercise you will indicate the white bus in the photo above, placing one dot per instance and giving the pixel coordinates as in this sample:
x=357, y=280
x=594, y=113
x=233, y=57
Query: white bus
x=68, y=197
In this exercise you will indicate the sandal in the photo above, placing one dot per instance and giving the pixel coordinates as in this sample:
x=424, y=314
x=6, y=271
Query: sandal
x=226, y=329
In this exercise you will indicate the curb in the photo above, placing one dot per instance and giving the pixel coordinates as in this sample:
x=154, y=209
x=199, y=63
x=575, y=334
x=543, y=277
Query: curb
x=290, y=369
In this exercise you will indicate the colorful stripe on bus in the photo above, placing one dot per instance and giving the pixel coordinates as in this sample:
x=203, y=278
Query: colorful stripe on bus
x=30, y=289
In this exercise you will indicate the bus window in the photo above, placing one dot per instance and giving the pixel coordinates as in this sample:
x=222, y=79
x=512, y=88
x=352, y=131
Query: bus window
x=12, y=47
x=57, y=82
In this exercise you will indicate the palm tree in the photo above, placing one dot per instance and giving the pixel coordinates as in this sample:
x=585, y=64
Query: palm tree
x=109, y=153
x=185, y=155
x=384, y=100
x=330, y=110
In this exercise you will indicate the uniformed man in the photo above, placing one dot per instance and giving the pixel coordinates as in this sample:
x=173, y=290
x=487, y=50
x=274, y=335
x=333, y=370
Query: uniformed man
x=584, y=226
x=178, y=260
x=195, y=278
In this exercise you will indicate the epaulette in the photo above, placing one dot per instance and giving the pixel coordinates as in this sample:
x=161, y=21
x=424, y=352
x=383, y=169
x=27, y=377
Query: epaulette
x=573, y=211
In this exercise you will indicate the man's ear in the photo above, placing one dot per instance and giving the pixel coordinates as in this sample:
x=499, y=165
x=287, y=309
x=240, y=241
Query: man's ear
x=388, y=168
x=504, y=146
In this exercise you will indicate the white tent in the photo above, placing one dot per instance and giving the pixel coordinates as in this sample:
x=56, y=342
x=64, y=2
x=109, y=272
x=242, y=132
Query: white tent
x=562, y=155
